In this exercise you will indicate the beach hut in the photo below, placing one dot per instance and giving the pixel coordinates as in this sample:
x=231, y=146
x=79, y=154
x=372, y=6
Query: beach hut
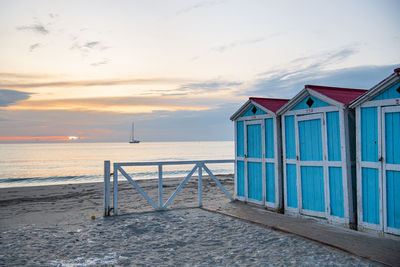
x=378, y=156
x=317, y=128
x=258, y=152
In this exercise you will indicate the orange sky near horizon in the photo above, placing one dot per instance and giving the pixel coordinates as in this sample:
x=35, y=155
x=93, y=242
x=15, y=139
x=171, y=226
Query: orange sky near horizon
x=41, y=138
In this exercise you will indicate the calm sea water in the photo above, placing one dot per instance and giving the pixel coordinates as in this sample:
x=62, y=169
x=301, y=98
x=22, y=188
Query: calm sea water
x=62, y=163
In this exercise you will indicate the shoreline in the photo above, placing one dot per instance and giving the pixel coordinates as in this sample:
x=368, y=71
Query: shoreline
x=82, y=181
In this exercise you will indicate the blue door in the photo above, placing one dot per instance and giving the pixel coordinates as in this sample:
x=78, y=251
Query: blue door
x=311, y=157
x=391, y=168
x=369, y=169
x=254, y=161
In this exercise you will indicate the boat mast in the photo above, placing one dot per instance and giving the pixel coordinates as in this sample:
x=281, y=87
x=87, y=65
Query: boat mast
x=133, y=132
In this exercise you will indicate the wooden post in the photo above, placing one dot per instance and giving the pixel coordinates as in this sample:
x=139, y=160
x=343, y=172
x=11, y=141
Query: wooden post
x=106, y=188
x=160, y=188
x=200, y=186
x=115, y=180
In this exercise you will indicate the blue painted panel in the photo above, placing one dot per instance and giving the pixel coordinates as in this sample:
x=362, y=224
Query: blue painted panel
x=336, y=191
x=254, y=186
x=291, y=185
x=370, y=195
x=393, y=198
x=270, y=182
x=290, y=138
x=250, y=112
x=254, y=145
x=310, y=140
x=389, y=93
x=369, y=134
x=317, y=103
x=269, y=138
x=333, y=133
x=392, y=137
x=240, y=179
x=312, y=188
x=240, y=138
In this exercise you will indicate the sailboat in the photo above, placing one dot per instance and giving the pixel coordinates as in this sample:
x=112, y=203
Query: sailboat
x=132, y=139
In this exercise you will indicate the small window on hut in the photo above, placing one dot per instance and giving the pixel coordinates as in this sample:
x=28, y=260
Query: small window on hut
x=310, y=102
x=254, y=110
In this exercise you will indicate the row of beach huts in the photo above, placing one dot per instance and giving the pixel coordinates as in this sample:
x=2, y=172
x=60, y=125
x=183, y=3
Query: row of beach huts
x=331, y=153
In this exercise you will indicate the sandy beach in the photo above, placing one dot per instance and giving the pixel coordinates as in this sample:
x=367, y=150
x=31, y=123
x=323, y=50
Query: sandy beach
x=52, y=226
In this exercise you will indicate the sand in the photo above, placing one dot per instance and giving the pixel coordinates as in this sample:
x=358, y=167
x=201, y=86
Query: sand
x=52, y=226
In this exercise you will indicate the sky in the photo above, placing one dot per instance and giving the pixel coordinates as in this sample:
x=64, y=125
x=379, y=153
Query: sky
x=178, y=69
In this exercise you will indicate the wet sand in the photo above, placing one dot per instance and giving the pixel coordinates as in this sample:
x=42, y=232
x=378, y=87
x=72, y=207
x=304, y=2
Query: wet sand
x=52, y=226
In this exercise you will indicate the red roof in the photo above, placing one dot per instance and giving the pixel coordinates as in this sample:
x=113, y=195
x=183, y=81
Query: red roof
x=397, y=70
x=272, y=104
x=342, y=95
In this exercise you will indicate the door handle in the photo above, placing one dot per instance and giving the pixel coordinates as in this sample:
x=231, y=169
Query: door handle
x=381, y=159
x=245, y=156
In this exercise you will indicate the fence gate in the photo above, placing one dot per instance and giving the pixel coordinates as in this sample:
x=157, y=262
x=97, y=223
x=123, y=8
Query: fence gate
x=199, y=166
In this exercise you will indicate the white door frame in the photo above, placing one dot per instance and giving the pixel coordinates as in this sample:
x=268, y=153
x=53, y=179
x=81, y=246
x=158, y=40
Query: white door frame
x=315, y=116
x=258, y=160
x=366, y=164
x=385, y=167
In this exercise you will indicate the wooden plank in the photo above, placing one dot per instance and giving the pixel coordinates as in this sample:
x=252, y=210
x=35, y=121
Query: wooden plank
x=107, y=188
x=378, y=249
x=155, y=163
x=115, y=193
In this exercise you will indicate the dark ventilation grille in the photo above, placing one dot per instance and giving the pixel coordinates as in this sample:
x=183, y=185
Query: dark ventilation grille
x=254, y=110
x=398, y=90
x=309, y=102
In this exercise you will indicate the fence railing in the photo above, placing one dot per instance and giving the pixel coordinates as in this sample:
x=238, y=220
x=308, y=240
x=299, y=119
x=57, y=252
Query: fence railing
x=199, y=166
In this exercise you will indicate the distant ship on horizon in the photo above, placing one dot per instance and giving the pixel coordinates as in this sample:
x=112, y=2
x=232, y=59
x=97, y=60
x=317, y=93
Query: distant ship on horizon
x=132, y=139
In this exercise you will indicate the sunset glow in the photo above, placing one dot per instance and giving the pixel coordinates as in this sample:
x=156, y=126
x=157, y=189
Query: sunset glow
x=39, y=138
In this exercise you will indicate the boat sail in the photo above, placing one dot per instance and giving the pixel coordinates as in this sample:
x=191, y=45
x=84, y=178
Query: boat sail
x=132, y=139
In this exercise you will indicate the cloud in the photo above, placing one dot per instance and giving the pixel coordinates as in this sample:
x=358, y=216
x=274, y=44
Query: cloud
x=178, y=125
x=99, y=63
x=53, y=15
x=34, y=46
x=283, y=84
x=223, y=48
x=201, y=4
x=36, y=28
x=99, y=82
x=11, y=97
x=89, y=46
x=127, y=104
x=14, y=75
x=203, y=87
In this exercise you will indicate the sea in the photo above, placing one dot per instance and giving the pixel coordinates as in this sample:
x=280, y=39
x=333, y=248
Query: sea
x=66, y=163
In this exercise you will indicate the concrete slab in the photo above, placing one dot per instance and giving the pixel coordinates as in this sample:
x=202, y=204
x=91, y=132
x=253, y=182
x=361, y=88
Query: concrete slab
x=380, y=249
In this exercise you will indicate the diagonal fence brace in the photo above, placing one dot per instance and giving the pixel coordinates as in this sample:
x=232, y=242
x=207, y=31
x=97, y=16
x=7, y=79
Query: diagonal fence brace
x=180, y=186
x=217, y=182
x=138, y=188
